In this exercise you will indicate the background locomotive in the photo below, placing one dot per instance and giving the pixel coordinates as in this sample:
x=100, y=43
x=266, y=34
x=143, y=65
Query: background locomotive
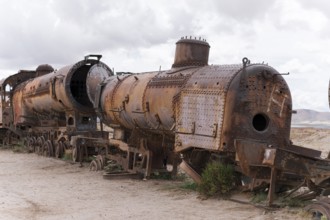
x=48, y=108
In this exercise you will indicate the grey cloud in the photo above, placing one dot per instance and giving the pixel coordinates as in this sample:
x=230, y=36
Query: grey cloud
x=59, y=30
x=320, y=5
x=244, y=11
x=121, y=23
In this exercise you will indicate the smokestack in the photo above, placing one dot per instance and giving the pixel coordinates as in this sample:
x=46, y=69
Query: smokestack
x=44, y=69
x=191, y=52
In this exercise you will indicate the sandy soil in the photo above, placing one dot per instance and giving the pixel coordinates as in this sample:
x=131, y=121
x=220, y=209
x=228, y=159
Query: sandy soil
x=315, y=138
x=35, y=187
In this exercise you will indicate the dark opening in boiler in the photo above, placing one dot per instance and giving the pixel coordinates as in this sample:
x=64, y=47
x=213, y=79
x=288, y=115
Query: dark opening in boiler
x=70, y=121
x=260, y=122
x=78, y=86
x=85, y=120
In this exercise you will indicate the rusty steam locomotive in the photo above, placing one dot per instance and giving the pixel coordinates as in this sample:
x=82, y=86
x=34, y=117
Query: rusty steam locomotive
x=195, y=109
x=191, y=113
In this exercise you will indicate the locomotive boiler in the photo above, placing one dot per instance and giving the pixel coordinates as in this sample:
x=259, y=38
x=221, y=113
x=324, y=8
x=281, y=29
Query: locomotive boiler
x=49, y=107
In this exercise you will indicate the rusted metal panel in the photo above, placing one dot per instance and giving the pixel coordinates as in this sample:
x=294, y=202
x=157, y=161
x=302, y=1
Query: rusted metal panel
x=282, y=166
x=190, y=171
x=252, y=153
x=304, y=151
x=161, y=93
x=260, y=100
x=249, y=154
x=129, y=100
x=107, y=111
x=269, y=156
x=97, y=74
x=200, y=108
x=199, y=120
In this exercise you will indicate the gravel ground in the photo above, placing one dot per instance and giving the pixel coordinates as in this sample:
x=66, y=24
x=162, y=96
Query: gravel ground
x=35, y=187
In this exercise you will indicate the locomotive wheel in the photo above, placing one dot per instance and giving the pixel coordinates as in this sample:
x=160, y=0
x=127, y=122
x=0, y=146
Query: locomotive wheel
x=101, y=159
x=38, y=141
x=40, y=144
x=37, y=149
x=5, y=141
x=33, y=142
x=48, y=149
x=75, y=154
x=41, y=150
x=31, y=145
x=99, y=165
x=42, y=140
x=65, y=146
x=51, y=148
x=93, y=166
x=59, y=149
x=28, y=144
x=44, y=150
x=320, y=209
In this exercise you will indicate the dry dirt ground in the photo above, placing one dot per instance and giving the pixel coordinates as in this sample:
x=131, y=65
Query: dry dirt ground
x=315, y=138
x=35, y=187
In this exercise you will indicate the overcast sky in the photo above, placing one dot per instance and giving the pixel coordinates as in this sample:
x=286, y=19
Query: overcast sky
x=139, y=35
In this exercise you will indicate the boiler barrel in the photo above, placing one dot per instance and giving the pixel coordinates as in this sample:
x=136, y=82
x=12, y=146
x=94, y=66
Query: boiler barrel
x=147, y=100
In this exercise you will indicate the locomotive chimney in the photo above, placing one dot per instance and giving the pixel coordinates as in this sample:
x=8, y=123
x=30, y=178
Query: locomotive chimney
x=44, y=69
x=191, y=52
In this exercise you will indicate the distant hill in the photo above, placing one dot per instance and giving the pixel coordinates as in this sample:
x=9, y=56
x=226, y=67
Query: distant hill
x=311, y=118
